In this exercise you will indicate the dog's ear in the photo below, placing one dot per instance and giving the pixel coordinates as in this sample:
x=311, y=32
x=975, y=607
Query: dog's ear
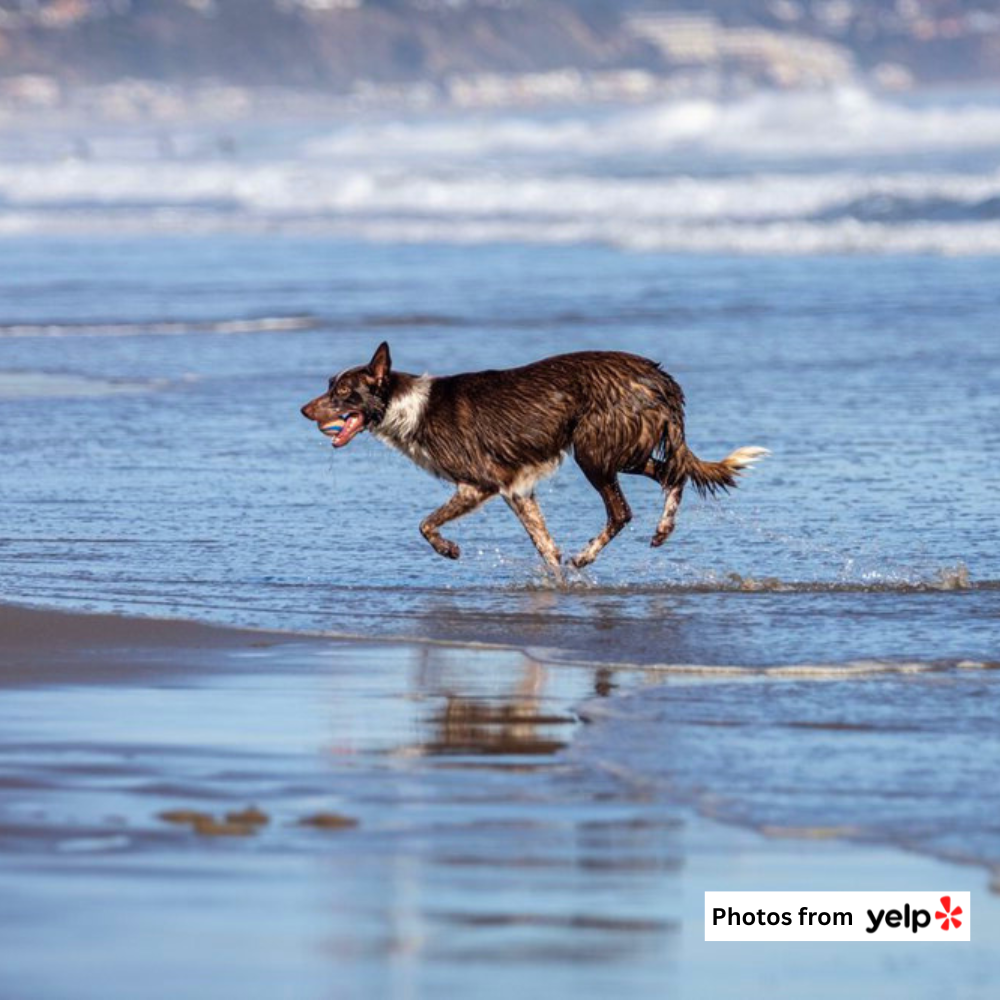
x=381, y=362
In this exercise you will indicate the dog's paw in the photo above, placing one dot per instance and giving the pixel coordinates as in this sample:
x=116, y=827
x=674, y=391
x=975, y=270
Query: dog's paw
x=447, y=549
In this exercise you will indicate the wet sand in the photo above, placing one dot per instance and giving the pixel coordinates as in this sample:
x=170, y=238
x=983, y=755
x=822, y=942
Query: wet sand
x=204, y=812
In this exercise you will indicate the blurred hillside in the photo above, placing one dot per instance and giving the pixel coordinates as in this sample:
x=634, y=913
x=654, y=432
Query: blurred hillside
x=134, y=54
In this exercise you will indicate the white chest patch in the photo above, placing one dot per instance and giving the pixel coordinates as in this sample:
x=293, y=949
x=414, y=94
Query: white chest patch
x=403, y=418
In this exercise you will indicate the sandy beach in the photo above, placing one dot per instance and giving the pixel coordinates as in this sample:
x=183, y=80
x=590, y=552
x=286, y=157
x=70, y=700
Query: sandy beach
x=422, y=822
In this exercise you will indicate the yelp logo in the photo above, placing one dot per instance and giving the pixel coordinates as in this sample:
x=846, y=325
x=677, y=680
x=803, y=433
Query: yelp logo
x=948, y=915
x=915, y=919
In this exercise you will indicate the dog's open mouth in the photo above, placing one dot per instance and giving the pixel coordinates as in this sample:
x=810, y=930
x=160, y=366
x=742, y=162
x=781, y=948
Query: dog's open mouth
x=344, y=428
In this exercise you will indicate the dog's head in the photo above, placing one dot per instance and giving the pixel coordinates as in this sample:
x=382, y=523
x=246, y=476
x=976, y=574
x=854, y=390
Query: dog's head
x=356, y=398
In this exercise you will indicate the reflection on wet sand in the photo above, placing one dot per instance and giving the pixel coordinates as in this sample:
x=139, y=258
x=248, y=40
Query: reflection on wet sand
x=558, y=867
x=424, y=815
x=515, y=722
x=442, y=822
x=477, y=728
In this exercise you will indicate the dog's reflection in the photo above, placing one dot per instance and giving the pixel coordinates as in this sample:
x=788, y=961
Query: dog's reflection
x=498, y=718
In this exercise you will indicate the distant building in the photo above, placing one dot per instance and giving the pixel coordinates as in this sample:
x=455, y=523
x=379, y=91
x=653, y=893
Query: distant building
x=782, y=58
x=320, y=5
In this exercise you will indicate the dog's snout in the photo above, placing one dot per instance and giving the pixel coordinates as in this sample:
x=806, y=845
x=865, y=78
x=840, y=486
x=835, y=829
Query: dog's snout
x=307, y=411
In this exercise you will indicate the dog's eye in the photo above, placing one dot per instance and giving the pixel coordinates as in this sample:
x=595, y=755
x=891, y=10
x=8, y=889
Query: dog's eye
x=343, y=391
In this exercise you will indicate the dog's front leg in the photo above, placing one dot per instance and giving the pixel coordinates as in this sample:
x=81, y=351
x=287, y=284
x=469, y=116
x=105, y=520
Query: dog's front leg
x=530, y=515
x=464, y=501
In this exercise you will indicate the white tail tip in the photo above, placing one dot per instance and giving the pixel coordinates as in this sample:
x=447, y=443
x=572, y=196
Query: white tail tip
x=744, y=458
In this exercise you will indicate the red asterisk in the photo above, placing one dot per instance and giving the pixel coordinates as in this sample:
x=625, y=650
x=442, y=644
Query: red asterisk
x=950, y=916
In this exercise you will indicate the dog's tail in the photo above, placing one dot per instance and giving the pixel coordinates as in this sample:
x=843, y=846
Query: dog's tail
x=710, y=477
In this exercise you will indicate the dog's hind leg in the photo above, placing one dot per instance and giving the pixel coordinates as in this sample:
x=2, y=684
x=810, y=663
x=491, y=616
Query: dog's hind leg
x=671, y=501
x=618, y=513
x=530, y=515
x=672, y=492
x=464, y=501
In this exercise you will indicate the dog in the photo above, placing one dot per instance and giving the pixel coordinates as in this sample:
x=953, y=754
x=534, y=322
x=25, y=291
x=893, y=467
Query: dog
x=501, y=432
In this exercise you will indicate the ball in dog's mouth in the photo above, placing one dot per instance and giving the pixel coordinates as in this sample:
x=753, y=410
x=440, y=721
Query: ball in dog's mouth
x=343, y=428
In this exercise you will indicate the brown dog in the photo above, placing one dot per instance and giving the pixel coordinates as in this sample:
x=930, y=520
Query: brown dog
x=502, y=431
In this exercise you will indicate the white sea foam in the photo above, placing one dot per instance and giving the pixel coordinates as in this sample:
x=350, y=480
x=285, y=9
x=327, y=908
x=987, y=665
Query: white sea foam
x=768, y=174
x=296, y=189
x=847, y=121
x=236, y=325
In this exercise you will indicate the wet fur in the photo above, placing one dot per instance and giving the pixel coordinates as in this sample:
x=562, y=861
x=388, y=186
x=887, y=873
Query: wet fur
x=500, y=432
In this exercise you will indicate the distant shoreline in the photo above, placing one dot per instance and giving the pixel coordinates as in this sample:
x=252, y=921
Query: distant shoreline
x=136, y=104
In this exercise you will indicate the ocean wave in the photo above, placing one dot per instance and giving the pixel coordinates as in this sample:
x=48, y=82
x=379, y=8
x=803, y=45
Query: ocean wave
x=97, y=328
x=21, y=385
x=772, y=174
x=798, y=238
x=290, y=191
x=940, y=580
x=847, y=121
x=945, y=579
x=888, y=206
x=789, y=671
x=840, y=212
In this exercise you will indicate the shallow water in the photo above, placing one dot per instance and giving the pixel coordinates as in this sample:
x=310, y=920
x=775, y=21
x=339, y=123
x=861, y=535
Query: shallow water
x=155, y=461
x=898, y=757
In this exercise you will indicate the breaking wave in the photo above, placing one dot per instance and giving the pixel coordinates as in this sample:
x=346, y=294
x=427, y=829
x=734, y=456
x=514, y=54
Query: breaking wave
x=789, y=174
x=842, y=122
x=945, y=579
x=97, y=328
x=788, y=671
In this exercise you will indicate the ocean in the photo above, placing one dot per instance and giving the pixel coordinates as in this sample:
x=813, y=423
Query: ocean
x=819, y=272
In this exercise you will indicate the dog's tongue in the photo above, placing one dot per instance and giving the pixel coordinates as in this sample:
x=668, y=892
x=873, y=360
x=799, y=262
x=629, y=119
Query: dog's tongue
x=353, y=423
